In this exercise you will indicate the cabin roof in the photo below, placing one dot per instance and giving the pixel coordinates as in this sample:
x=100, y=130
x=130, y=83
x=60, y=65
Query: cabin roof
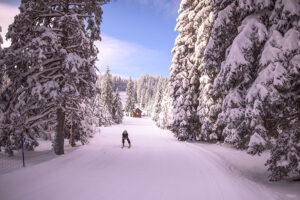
x=138, y=110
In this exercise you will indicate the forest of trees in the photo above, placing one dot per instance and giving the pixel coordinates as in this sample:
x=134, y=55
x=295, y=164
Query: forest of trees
x=235, y=77
x=118, y=82
x=152, y=96
x=48, y=76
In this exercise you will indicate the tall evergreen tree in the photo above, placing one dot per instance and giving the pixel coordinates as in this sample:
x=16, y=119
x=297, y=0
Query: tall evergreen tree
x=165, y=115
x=235, y=78
x=107, y=97
x=158, y=95
x=1, y=39
x=117, y=108
x=1, y=62
x=281, y=74
x=203, y=23
x=97, y=109
x=183, y=77
x=135, y=91
x=80, y=122
x=223, y=31
x=285, y=156
x=80, y=25
x=25, y=102
x=130, y=103
x=50, y=66
x=1, y=79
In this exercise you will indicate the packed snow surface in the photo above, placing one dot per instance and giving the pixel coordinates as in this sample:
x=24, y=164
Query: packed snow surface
x=157, y=167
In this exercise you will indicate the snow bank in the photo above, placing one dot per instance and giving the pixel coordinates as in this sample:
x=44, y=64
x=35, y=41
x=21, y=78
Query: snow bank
x=252, y=168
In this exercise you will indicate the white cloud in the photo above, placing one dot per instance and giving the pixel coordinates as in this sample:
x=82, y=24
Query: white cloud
x=126, y=58
x=122, y=57
x=7, y=15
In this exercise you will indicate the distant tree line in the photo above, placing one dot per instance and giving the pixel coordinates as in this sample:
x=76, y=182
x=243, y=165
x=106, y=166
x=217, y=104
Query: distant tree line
x=152, y=95
x=118, y=82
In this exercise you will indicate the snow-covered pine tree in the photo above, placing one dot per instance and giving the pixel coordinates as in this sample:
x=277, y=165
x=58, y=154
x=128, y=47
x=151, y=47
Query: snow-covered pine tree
x=98, y=104
x=285, y=155
x=246, y=54
x=1, y=62
x=117, y=108
x=98, y=110
x=88, y=124
x=1, y=80
x=79, y=24
x=252, y=78
x=107, y=97
x=52, y=62
x=223, y=30
x=263, y=103
x=145, y=100
x=1, y=39
x=141, y=90
x=29, y=61
x=135, y=91
x=281, y=74
x=1, y=67
x=80, y=122
x=201, y=17
x=236, y=76
x=158, y=95
x=183, y=77
x=203, y=22
x=130, y=103
x=165, y=116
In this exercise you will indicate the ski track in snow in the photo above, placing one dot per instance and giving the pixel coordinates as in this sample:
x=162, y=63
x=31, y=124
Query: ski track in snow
x=157, y=167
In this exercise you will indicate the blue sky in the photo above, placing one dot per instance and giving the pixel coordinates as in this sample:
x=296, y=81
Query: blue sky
x=137, y=35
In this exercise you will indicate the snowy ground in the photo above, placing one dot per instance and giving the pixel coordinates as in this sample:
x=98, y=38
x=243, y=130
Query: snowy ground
x=42, y=153
x=156, y=167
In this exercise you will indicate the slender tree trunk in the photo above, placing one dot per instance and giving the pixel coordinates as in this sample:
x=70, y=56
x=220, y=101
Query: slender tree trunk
x=59, y=136
x=72, y=142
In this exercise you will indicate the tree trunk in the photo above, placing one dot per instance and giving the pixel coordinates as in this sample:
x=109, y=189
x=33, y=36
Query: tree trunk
x=59, y=136
x=72, y=142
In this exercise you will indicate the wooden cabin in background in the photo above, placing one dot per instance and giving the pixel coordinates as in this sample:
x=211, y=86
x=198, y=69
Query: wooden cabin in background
x=136, y=113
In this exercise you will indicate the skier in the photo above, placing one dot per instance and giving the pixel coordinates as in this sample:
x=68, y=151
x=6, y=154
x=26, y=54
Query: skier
x=125, y=137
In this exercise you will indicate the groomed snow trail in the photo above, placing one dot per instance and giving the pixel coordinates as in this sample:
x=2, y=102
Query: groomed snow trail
x=157, y=167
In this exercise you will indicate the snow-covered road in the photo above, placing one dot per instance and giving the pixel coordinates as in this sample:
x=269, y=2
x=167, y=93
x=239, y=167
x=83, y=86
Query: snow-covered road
x=157, y=167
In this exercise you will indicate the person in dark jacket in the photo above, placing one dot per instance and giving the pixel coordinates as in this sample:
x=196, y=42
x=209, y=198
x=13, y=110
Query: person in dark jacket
x=125, y=137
